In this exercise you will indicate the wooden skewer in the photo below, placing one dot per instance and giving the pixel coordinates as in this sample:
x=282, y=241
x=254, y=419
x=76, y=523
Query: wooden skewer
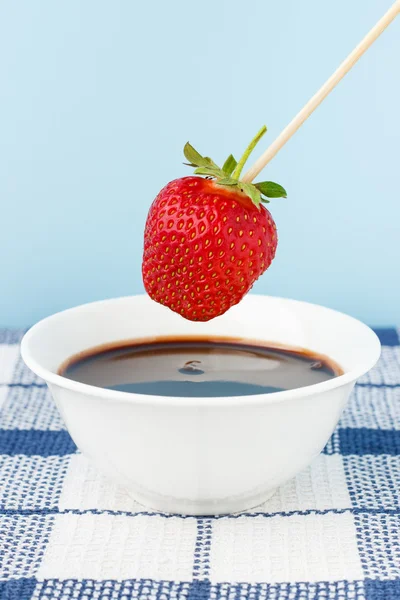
x=322, y=93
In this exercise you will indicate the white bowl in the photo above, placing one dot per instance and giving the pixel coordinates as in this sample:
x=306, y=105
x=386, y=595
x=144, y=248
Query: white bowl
x=201, y=455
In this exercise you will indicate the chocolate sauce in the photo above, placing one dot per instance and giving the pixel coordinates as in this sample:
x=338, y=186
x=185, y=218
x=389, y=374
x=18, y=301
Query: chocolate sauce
x=198, y=367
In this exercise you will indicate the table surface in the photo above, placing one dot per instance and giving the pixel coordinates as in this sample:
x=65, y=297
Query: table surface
x=66, y=533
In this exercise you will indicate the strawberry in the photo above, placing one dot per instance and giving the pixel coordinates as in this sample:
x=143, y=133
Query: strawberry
x=207, y=240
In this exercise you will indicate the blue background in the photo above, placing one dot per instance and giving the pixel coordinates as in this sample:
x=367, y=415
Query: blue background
x=98, y=98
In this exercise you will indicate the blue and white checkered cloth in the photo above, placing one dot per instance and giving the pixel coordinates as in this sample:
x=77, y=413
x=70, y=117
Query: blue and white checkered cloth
x=66, y=533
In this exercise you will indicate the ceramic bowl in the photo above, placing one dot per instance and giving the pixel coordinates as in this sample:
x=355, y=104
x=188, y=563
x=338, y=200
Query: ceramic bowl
x=201, y=456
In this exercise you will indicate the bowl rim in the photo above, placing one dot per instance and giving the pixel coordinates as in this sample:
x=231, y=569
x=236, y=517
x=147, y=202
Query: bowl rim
x=256, y=399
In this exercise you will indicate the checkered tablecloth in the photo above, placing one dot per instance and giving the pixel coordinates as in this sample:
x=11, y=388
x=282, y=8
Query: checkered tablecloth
x=66, y=533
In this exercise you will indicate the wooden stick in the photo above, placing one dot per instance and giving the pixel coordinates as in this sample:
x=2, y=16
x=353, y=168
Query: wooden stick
x=322, y=93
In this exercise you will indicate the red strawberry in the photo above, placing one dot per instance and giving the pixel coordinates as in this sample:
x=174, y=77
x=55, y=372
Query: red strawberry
x=207, y=241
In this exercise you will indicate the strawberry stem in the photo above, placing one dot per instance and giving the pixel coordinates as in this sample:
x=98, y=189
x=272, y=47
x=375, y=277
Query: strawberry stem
x=239, y=167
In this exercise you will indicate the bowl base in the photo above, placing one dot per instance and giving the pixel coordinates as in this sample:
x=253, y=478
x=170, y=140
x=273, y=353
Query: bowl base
x=200, y=508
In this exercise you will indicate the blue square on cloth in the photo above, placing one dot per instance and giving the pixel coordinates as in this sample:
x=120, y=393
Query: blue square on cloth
x=31, y=482
x=372, y=407
x=388, y=336
x=365, y=441
x=23, y=541
x=17, y=589
x=373, y=481
x=11, y=336
x=378, y=542
x=140, y=589
x=32, y=442
x=386, y=371
x=382, y=590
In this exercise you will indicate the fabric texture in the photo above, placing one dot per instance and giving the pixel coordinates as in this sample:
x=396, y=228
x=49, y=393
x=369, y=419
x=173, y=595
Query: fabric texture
x=66, y=533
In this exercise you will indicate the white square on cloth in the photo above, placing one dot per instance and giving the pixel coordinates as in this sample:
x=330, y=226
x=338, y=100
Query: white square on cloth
x=297, y=548
x=93, y=546
x=22, y=374
x=320, y=486
x=84, y=488
x=30, y=408
x=3, y=395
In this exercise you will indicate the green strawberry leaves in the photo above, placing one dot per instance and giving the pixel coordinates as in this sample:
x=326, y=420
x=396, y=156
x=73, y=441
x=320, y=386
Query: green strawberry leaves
x=197, y=160
x=271, y=189
x=229, y=165
x=257, y=192
x=227, y=181
x=204, y=164
x=194, y=158
x=250, y=190
x=208, y=171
